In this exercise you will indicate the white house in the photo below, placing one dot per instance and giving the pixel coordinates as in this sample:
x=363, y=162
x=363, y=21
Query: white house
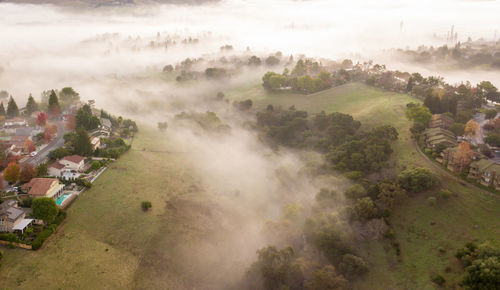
x=55, y=169
x=96, y=142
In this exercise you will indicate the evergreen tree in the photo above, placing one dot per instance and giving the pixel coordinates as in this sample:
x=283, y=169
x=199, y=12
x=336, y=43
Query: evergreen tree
x=82, y=143
x=54, y=108
x=12, y=109
x=2, y=110
x=31, y=105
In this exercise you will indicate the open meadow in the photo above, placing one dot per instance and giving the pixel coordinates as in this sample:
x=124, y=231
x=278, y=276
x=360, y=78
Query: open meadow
x=428, y=235
x=108, y=240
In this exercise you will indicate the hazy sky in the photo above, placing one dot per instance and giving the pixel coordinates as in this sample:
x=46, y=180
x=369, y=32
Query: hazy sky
x=41, y=45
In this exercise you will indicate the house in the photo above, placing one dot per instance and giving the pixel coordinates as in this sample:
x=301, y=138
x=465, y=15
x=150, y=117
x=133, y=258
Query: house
x=10, y=216
x=55, y=169
x=439, y=137
x=457, y=163
x=15, y=122
x=485, y=172
x=43, y=187
x=106, y=124
x=441, y=121
x=73, y=162
x=96, y=142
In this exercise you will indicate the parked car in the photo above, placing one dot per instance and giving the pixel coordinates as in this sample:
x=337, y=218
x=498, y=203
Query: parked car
x=33, y=154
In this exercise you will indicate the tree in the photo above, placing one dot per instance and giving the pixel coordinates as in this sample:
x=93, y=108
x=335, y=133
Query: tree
x=490, y=114
x=146, y=205
x=29, y=146
x=463, y=156
x=457, y=128
x=356, y=191
x=82, y=142
x=2, y=110
x=45, y=208
x=162, y=126
x=28, y=172
x=364, y=208
x=68, y=96
x=11, y=173
x=390, y=194
x=31, y=106
x=254, y=61
x=12, y=109
x=493, y=139
x=274, y=266
x=418, y=113
x=352, y=266
x=487, y=90
x=85, y=118
x=416, y=179
x=471, y=128
x=272, y=60
x=50, y=132
x=54, y=108
x=326, y=278
x=41, y=119
x=42, y=170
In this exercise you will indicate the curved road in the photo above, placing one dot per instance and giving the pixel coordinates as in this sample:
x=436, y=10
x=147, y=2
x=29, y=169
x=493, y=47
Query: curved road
x=54, y=144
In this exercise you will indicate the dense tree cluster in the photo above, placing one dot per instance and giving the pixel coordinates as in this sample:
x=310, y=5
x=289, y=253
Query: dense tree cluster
x=85, y=118
x=482, y=266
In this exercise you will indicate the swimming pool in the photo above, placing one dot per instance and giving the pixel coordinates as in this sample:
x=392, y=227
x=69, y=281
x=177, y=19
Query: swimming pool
x=62, y=198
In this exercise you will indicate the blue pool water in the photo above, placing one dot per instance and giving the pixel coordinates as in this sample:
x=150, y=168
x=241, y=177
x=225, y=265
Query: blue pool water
x=62, y=198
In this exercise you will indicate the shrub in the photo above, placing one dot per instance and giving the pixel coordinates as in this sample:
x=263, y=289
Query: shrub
x=438, y=279
x=352, y=266
x=356, y=191
x=445, y=194
x=431, y=201
x=1, y=255
x=417, y=179
x=146, y=205
x=60, y=217
x=42, y=236
x=9, y=237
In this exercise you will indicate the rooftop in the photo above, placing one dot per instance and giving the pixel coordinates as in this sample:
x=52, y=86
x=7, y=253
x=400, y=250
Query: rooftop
x=74, y=158
x=39, y=186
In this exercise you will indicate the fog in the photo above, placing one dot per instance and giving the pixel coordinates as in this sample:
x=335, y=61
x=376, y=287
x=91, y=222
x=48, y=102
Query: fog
x=43, y=46
x=104, y=54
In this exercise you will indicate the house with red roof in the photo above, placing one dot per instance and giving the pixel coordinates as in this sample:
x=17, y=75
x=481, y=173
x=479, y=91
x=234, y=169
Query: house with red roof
x=43, y=187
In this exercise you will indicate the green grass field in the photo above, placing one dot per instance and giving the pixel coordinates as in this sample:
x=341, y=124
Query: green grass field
x=108, y=242
x=419, y=228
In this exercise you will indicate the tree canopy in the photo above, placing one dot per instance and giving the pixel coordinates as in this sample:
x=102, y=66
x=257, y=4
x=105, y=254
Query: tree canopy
x=45, y=208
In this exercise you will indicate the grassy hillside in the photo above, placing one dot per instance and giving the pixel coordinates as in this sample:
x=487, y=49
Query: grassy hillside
x=419, y=228
x=107, y=240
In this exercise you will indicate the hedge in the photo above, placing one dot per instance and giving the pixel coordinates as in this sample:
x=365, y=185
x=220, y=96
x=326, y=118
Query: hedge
x=9, y=237
x=42, y=236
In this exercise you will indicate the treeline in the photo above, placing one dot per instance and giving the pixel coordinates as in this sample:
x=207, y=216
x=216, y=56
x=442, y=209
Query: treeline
x=337, y=135
x=308, y=76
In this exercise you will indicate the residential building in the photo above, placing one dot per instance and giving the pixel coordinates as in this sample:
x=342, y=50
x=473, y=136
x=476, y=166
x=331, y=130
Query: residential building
x=15, y=122
x=456, y=163
x=43, y=187
x=485, y=172
x=441, y=121
x=96, y=142
x=55, y=169
x=435, y=137
x=106, y=124
x=10, y=216
x=73, y=162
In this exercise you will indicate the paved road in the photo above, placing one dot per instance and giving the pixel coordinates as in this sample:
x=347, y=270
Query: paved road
x=58, y=141
x=449, y=175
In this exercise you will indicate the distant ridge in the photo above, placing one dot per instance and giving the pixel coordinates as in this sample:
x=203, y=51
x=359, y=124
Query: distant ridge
x=104, y=3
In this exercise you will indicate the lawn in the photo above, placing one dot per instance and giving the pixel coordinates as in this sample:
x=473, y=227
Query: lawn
x=107, y=239
x=419, y=228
